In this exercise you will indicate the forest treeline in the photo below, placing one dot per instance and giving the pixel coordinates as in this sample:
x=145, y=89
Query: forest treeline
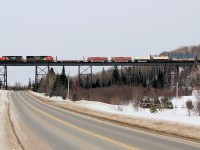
x=111, y=86
x=184, y=50
x=121, y=83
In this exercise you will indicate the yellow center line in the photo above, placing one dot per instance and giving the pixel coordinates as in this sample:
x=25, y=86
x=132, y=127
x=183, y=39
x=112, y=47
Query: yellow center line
x=80, y=129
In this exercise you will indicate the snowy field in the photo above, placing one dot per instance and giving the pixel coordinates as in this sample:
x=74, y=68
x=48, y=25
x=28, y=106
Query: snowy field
x=179, y=114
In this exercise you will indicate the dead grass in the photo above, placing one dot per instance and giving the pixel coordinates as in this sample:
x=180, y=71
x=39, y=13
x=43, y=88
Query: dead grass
x=173, y=128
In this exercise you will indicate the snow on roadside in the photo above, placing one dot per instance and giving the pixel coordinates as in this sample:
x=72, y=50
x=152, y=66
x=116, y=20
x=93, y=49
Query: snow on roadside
x=8, y=139
x=3, y=109
x=179, y=114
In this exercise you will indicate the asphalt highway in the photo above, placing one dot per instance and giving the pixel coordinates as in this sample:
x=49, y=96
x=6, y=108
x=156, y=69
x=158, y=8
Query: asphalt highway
x=59, y=129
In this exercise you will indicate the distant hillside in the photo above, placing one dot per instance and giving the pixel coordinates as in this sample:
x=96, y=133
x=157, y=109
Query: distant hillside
x=184, y=50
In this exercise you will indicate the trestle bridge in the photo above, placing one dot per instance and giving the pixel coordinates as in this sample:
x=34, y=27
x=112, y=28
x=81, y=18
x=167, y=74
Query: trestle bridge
x=85, y=69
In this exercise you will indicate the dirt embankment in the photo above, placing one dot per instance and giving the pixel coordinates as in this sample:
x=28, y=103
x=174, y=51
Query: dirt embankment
x=158, y=126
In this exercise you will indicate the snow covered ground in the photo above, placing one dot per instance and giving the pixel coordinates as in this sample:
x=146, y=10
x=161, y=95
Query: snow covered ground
x=179, y=114
x=8, y=140
x=3, y=108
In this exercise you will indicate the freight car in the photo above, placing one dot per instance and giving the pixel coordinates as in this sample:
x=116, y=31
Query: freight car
x=141, y=59
x=39, y=59
x=69, y=61
x=121, y=59
x=182, y=57
x=159, y=58
x=97, y=59
x=13, y=58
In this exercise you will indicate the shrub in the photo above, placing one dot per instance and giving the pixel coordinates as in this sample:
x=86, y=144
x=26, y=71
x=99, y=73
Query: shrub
x=153, y=109
x=189, y=106
x=198, y=107
x=169, y=105
x=64, y=97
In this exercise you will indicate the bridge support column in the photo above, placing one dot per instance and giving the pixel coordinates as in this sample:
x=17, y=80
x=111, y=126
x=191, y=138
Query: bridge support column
x=3, y=77
x=39, y=73
x=85, y=76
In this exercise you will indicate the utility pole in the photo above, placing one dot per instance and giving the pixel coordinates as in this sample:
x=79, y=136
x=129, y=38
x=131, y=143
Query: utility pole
x=68, y=86
x=176, y=89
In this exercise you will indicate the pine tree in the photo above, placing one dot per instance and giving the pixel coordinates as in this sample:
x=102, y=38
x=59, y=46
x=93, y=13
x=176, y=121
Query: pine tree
x=63, y=77
x=97, y=83
x=29, y=84
x=103, y=78
x=55, y=90
x=123, y=78
x=115, y=76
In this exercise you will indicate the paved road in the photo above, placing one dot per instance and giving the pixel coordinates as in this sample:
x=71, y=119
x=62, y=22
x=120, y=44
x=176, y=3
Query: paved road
x=62, y=130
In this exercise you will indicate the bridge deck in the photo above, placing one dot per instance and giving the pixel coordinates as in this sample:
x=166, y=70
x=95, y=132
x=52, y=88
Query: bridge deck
x=181, y=63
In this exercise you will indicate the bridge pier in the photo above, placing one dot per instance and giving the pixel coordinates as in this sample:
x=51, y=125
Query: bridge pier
x=3, y=77
x=85, y=76
x=39, y=73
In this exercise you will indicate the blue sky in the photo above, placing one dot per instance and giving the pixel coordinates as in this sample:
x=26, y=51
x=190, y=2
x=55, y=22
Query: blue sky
x=73, y=29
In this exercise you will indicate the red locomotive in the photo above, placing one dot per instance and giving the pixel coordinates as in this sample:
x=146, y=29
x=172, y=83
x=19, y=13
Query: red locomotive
x=4, y=59
x=13, y=58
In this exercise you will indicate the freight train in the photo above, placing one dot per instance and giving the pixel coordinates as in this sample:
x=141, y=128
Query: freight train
x=169, y=58
x=28, y=59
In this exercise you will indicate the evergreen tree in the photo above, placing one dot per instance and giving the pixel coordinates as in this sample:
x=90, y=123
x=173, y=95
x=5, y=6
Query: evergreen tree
x=63, y=77
x=29, y=84
x=123, y=78
x=109, y=83
x=97, y=83
x=56, y=85
x=103, y=78
x=155, y=83
x=115, y=76
x=161, y=79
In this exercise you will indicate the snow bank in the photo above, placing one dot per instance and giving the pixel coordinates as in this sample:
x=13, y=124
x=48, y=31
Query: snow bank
x=178, y=115
x=163, y=121
x=3, y=109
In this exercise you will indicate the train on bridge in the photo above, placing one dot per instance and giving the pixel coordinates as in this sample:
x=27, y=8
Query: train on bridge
x=155, y=58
